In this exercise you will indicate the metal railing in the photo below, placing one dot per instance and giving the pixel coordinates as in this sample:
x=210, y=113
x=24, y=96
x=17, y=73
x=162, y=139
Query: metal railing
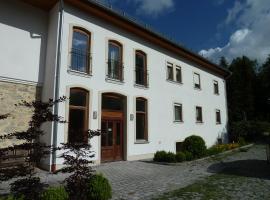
x=115, y=70
x=81, y=61
x=141, y=77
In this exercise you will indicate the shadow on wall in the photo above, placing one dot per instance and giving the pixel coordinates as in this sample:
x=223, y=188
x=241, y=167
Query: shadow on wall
x=247, y=168
x=22, y=16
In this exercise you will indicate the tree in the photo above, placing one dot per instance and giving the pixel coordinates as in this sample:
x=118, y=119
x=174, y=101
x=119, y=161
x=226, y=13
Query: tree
x=223, y=63
x=27, y=184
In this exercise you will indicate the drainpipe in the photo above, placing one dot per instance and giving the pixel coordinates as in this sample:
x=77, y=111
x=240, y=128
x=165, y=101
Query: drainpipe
x=56, y=85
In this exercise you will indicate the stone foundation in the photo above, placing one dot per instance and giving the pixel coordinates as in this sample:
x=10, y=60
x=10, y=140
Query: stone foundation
x=11, y=94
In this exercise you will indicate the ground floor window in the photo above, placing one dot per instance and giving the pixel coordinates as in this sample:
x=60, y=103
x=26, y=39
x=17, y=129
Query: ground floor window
x=218, y=117
x=141, y=119
x=78, y=115
x=199, y=117
x=178, y=114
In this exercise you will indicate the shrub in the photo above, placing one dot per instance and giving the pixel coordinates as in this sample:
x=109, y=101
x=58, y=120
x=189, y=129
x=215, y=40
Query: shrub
x=241, y=141
x=195, y=145
x=163, y=156
x=159, y=156
x=214, y=150
x=11, y=198
x=188, y=155
x=99, y=188
x=55, y=193
x=180, y=157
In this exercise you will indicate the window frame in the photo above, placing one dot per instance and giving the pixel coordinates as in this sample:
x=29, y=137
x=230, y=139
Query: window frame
x=145, y=68
x=84, y=108
x=216, y=116
x=200, y=121
x=174, y=112
x=180, y=68
x=215, y=84
x=88, y=53
x=145, y=114
x=121, y=67
x=194, y=83
x=170, y=65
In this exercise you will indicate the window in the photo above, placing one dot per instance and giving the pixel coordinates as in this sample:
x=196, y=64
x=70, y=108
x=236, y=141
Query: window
x=178, y=113
x=197, y=81
x=80, y=52
x=170, y=71
x=141, y=119
x=218, y=117
x=141, y=69
x=216, y=89
x=78, y=115
x=199, y=117
x=115, y=64
x=178, y=74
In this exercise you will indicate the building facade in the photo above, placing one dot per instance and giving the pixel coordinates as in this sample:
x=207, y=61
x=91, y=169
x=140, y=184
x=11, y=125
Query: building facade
x=143, y=91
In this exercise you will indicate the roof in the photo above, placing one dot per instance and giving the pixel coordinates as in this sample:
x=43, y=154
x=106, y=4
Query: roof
x=132, y=25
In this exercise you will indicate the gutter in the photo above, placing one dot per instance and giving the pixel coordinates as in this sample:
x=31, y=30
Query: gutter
x=56, y=85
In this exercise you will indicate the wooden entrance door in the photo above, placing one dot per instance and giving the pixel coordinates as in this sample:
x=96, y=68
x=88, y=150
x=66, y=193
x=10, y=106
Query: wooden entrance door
x=111, y=140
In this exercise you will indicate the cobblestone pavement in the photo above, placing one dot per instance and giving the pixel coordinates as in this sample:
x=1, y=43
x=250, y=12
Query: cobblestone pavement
x=144, y=180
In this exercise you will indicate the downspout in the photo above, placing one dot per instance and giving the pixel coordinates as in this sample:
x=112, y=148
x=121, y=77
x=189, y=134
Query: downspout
x=56, y=85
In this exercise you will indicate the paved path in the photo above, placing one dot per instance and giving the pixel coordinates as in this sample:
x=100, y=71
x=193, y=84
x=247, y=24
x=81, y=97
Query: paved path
x=142, y=180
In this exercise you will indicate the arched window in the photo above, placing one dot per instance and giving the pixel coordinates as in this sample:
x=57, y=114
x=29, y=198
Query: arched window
x=80, y=52
x=141, y=69
x=115, y=63
x=78, y=115
x=141, y=119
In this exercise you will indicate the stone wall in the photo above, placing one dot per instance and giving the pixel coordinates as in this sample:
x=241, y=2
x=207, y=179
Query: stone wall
x=11, y=94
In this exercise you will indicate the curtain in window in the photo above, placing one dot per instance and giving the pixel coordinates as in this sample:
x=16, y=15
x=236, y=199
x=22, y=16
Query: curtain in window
x=114, y=61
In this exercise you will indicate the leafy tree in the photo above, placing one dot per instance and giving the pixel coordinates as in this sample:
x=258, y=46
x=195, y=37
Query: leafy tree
x=26, y=183
x=223, y=63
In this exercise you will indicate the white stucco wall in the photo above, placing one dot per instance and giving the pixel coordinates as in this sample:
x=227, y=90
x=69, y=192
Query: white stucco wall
x=161, y=94
x=23, y=40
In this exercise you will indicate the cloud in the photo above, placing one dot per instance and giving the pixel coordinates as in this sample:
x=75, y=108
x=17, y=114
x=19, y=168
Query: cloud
x=153, y=7
x=251, y=37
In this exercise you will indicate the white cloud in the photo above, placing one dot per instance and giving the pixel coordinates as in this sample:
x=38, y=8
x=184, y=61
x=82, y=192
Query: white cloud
x=251, y=37
x=153, y=7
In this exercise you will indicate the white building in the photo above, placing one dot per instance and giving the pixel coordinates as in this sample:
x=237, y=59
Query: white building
x=145, y=91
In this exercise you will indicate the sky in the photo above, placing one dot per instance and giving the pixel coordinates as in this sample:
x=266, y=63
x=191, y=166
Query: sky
x=211, y=28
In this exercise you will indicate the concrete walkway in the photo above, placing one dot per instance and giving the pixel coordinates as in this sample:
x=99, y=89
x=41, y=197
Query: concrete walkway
x=144, y=180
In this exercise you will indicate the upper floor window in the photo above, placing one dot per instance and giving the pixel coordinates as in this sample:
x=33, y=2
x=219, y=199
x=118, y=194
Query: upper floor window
x=218, y=117
x=80, y=51
x=199, y=117
x=170, y=71
x=174, y=73
x=216, y=88
x=141, y=119
x=178, y=112
x=78, y=115
x=115, y=64
x=197, y=81
x=141, y=69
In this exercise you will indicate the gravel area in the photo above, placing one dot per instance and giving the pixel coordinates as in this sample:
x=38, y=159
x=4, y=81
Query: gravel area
x=144, y=180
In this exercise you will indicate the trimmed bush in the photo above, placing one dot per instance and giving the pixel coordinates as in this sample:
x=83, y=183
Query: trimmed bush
x=11, y=198
x=195, y=145
x=159, y=156
x=55, y=193
x=99, y=188
x=180, y=157
x=170, y=157
x=188, y=155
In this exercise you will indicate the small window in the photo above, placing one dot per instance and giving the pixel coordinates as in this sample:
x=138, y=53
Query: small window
x=216, y=88
x=170, y=71
x=218, y=117
x=141, y=69
x=178, y=113
x=199, y=117
x=115, y=64
x=141, y=119
x=80, y=52
x=178, y=74
x=78, y=116
x=197, y=81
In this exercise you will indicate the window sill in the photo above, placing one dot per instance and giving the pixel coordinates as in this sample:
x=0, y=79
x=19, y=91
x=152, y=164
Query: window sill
x=199, y=123
x=175, y=82
x=196, y=88
x=141, y=86
x=141, y=142
x=178, y=122
x=218, y=123
x=217, y=94
x=115, y=81
x=78, y=73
